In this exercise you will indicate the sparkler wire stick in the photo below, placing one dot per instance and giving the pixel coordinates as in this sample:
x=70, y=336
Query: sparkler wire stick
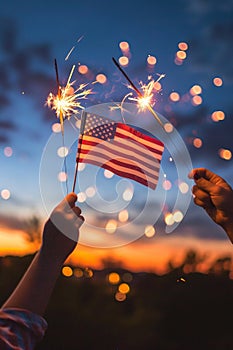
x=61, y=119
x=59, y=95
x=82, y=126
x=138, y=92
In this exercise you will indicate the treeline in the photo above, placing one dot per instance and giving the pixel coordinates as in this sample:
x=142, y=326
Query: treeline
x=181, y=310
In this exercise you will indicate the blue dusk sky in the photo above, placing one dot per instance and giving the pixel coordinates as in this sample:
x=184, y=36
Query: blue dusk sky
x=34, y=33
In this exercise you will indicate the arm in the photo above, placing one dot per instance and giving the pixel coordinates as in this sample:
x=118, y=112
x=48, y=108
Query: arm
x=60, y=237
x=215, y=195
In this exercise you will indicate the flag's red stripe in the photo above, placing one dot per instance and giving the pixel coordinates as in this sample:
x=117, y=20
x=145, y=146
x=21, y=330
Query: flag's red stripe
x=158, y=149
x=102, y=159
x=109, y=153
x=126, y=130
x=121, y=162
x=121, y=173
x=138, y=150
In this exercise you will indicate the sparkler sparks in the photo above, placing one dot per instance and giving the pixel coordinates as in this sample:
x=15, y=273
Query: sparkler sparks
x=67, y=101
x=144, y=101
x=147, y=98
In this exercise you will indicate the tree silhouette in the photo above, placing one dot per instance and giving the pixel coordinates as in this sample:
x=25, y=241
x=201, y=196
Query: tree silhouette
x=32, y=231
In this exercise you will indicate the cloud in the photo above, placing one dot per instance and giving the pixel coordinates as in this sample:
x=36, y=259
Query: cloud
x=6, y=126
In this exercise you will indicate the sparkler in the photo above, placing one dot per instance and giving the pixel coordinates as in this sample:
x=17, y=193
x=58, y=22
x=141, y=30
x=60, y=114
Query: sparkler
x=66, y=103
x=144, y=101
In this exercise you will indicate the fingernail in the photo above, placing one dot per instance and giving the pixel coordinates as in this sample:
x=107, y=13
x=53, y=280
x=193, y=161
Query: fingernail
x=196, y=176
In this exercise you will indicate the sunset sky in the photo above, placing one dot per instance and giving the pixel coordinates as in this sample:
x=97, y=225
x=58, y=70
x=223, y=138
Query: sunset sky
x=32, y=35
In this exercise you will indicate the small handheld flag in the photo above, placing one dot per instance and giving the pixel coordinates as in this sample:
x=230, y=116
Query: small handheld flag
x=119, y=148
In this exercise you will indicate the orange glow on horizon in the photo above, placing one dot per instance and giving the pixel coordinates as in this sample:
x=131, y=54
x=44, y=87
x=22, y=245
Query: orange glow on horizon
x=133, y=257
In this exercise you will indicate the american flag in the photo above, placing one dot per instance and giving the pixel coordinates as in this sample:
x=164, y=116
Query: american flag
x=119, y=148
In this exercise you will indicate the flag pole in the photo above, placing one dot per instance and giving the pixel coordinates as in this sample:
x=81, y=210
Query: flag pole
x=77, y=161
x=138, y=92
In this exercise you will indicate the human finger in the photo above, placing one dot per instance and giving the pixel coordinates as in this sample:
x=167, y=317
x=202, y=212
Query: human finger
x=77, y=210
x=71, y=198
x=203, y=173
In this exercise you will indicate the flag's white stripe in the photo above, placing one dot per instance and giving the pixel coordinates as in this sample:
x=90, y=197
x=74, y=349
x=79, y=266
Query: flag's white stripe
x=108, y=156
x=137, y=147
x=133, y=145
x=112, y=154
x=129, y=175
x=148, y=167
x=100, y=159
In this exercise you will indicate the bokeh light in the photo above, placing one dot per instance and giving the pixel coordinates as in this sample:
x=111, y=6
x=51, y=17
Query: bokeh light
x=101, y=78
x=62, y=176
x=5, y=194
x=114, y=278
x=181, y=55
x=196, y=100
x=127, y=277
x=78, y=272
x=225, y=154
x=120, y=296
x=197, y=142
x=62, y=152
x=83, y=69
x=217, y=116
x=108, y=174
x=123, y=215
x=88, y=272
x=174, y=96
x=111, y=226
x=168, y=127
x=124, y=288
x=167, y=185
x=183, y=46
x=124, y=61
x=67, y=271
x=81, y=197
x=128, y=194
x=151, y=60
x=195, y=90
x=124, y=46
x=217, y=81
x=169, y=220
x=56, y=127
x=183, y=187
x=8, y=151
x=81, y=166
x=90, y=191
x=178, y=216
x=149, y=231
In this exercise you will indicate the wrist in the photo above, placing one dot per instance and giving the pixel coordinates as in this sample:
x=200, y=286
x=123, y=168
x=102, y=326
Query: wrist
x=51, y=257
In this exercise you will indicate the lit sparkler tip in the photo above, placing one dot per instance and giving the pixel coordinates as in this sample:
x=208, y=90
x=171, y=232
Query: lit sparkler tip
x=66, y=102
x=144, y=100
